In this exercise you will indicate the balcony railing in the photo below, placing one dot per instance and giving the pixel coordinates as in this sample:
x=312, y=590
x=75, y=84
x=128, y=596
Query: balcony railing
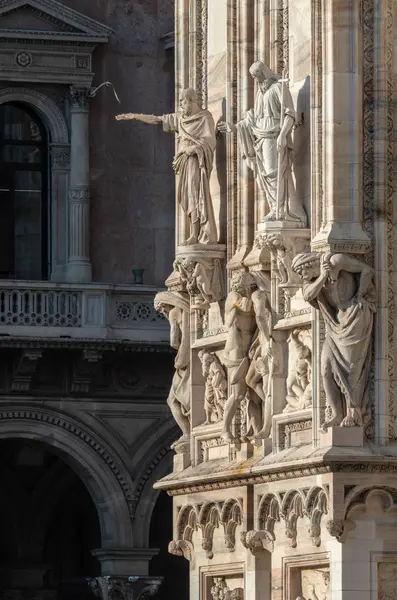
x=93, y=311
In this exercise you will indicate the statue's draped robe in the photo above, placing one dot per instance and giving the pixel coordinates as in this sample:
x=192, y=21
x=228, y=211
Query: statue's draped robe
x=348, y=345
x=193, y=187
x=257, y=135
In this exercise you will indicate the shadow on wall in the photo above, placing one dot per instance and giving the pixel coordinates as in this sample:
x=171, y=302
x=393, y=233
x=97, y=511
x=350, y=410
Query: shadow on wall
x=221, y=157
x=174, y=569
x=302, y=147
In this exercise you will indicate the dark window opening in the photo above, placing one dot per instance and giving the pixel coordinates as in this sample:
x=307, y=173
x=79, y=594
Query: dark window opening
x=24, y=239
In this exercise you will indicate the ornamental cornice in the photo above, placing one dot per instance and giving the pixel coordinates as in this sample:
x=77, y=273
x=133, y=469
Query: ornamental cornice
x=70, y=24
x=281, y=474
x=84, y=343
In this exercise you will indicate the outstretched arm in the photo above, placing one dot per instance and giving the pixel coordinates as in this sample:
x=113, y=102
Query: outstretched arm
x=149, y=119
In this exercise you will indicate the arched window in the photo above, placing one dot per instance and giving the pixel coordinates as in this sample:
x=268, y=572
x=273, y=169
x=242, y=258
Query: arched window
x=24, y=219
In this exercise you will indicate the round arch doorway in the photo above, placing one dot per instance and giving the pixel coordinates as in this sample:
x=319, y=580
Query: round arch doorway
x=24, y=184
x=49, y=524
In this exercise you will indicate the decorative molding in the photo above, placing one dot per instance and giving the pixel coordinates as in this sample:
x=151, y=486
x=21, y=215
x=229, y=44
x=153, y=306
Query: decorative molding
x=71, y=24
x=142, y=481
x=207, y=517
x=79, y=195
x=47, y=109
x=124, y=588
x=290, y=507
x=228, y=481
x=23, y=59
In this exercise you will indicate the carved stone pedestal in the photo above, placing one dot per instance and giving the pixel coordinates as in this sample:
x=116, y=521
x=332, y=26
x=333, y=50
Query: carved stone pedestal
x=342, y=436
x=124, y=588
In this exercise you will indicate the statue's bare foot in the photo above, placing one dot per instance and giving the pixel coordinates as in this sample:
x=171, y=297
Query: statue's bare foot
x=185, y=438
x=227, y=436
x=191, y=240
x=349, y=421
x=334, y=422
x=263, y=434
x=271, y=216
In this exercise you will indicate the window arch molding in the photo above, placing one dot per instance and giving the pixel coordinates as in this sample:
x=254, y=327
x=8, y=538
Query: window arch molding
x=58, y=168
x=46, y=108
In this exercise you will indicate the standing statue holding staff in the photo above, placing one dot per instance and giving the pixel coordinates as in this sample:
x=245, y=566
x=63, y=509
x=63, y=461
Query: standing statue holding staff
x=195, y=130
x=265, y=140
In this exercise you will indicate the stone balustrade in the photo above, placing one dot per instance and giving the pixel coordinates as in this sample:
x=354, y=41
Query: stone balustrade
x=81, y=311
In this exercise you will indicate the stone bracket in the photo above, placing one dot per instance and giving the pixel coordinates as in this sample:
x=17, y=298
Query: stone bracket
x=84, y=369
x=25, y=369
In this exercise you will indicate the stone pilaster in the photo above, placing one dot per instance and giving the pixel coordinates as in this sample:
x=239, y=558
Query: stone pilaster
x=342, y=130
x=79, y=264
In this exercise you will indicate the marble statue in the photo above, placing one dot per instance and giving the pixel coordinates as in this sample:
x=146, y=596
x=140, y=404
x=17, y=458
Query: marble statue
x=299, y=387
x=215, y=386
x=240, y=323
x=176, y=308
x=265, y=141
x=195, y=130
x=342, y=288
x=261, y=367
x=203, y=278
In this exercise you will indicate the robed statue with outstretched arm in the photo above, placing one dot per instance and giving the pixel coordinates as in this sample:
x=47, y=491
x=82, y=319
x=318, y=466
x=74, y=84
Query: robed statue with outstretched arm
x=195, y=131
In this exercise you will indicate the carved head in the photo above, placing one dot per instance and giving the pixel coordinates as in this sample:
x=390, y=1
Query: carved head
x=206, y=361
x=188, y=102
x=263, y=74
x=162, y=307
x=307, y=265
x=243, y=283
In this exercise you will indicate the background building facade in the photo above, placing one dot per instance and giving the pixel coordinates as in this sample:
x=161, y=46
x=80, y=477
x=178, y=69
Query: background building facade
x=87, y=208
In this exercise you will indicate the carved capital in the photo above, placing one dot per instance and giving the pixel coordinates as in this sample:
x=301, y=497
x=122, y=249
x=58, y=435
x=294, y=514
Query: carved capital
x=124, y=588
x=60, y=158
x=80, y=98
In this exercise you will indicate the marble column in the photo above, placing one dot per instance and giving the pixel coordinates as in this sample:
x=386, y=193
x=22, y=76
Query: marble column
x=342, y=129
x=79, y=264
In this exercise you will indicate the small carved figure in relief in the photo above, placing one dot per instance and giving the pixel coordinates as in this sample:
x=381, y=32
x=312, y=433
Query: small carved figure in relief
x=203, y=278
x=318, y=585
x=215, y=386
x=342, y=288
x=221, y=591
x=195, y=130
x=240, y=322
x=299, y=388
x=176, y=308
x=261, y=368
x=265, y=140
